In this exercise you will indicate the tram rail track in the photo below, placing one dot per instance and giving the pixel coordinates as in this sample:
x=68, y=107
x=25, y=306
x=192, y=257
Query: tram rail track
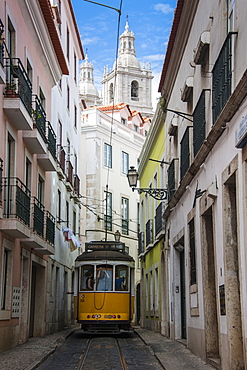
x=101, y=353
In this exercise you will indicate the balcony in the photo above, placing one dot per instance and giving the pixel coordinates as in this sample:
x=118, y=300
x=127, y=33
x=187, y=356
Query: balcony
x=159, y=220
x=17, y=102
x=48, y=160
x=43, y=230
x=76, y=192
x=16, y=208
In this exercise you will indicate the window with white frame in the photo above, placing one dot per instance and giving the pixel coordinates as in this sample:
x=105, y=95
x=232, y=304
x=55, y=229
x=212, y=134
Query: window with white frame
x=107, y=155
x=125, y=162
x=125, y=216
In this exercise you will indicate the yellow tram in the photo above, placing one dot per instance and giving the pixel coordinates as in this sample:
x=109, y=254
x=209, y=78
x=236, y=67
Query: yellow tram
x=104, y=288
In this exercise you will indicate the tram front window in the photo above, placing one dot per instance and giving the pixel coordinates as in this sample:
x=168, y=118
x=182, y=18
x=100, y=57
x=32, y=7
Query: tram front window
x=104, y=278
x=87, y=277
x=121, y=278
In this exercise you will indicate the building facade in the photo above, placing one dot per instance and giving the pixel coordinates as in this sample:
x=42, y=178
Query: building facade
x=31, y=69
x=203, y=87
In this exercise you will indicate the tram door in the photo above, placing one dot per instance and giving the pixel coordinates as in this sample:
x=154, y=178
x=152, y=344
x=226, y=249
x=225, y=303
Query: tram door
x=183, y=297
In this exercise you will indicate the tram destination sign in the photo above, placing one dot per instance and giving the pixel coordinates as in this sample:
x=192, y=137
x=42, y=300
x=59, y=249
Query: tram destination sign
x=99, y=246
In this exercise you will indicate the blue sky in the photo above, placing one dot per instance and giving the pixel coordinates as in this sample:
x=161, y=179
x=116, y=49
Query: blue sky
x=150, y=21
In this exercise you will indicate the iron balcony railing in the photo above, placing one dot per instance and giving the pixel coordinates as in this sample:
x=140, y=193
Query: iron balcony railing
x=171, y=187
x=38, y=216
x=17, y=199
x=140, y=242
x=18, y=82
x=77, y=184
x=52, y=140
x=39, y=118
x=222, y=77
x=50, y=227
x=159, y=219
x=149, y=232
x=185, y=154
x=125, y=227
x=1, y=45
x=199, y=123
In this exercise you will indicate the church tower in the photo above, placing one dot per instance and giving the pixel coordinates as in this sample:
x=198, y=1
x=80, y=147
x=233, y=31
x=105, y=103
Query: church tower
x=132, y=84
x=88, y=91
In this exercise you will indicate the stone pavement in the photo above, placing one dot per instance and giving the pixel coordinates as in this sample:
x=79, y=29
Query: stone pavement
x=171, y=355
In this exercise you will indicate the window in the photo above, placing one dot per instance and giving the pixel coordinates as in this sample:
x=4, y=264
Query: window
x=123, y=121
x=67, y=213
x=75, y=116
x=125, y=216
x=121, y=278
x=41, y=189
x=42, y=97
x=74, y=222
x=68, y=96
x=104, y=278
x=28, y=173
x=107, y=155
x=134, y=90
x=58, y=205
x=108, y=211
x=67, y=45
x=156, y=291
x=111, y=92
x=125, y=162
x=87, y=277
x=11, y=38
x=192, y=252
x=29, y=71
x=199, y=123
x=75, y=68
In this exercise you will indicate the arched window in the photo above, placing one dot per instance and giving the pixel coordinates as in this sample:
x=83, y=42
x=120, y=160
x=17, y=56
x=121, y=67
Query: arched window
x=111, y=91
x=124, y=44
x=88, y=74
x=134, y=90
x=129, y=45
x=84, y=74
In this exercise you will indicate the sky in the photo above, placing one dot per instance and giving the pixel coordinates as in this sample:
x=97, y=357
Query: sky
x=150, y=21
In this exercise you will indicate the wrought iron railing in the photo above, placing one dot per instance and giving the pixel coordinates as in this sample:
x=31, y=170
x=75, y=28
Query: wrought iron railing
x=149, y=232
x=38, y=216
x=52, y=141
x=39, y=117
x=50, y=227
x=185, y=154
x=1, y=44
x=18, y=82
x=125, y=227
x=77, y=185
x=17, y=199
x=141, y=243
x=159, y=219
x=199, y=123
x=171, y=186
x=222, y=77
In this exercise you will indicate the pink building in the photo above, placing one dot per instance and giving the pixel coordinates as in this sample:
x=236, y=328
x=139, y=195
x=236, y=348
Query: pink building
x=32, y=62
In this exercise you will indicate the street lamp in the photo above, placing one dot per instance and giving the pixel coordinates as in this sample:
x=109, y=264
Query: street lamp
x=132, y=175
x=117, y=236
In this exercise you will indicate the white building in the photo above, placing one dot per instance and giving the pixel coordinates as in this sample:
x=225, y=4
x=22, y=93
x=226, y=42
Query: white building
x=204, y=75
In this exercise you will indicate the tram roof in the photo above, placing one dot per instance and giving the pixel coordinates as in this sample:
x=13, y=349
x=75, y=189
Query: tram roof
x=104, y=255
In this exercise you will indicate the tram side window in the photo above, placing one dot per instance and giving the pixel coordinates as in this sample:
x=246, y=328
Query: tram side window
x=104, y=278
x=121, y=278
x=87, y=277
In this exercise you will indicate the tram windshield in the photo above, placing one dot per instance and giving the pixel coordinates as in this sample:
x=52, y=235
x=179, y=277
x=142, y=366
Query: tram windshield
x=101, y=278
